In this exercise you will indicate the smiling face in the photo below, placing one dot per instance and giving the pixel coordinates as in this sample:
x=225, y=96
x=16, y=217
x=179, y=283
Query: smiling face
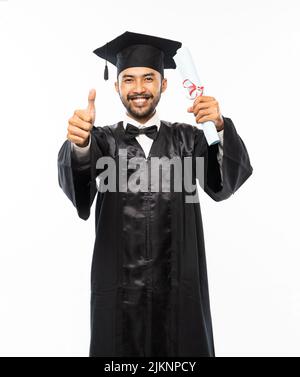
x=140, y=89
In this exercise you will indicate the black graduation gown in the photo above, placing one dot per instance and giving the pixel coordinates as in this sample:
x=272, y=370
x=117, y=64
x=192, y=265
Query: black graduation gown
x=149, y=288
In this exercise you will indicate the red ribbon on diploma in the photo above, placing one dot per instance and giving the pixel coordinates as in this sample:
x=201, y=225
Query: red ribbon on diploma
x=193, y=89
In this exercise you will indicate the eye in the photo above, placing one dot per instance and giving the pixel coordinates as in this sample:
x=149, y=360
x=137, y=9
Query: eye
x=149, y=79
x=128, y=80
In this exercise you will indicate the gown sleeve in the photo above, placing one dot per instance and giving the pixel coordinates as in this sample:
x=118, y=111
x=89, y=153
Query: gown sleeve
x=78, y=179
x=236, y=167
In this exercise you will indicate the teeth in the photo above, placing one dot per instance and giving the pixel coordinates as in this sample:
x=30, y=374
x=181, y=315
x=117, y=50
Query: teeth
x=140, y=100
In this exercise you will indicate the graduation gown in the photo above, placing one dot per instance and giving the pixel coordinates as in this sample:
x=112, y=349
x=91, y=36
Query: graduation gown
x=149, y=288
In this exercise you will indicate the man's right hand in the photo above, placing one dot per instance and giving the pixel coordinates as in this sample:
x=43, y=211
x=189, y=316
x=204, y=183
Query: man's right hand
x=81, y=123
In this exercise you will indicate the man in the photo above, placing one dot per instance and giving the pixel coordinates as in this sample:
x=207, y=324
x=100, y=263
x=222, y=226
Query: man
x=149, y=279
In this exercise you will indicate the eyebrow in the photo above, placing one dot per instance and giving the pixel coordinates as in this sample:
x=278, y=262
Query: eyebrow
x=146, y=74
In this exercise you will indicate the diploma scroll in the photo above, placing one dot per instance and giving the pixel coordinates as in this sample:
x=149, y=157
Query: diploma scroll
x=191, y=83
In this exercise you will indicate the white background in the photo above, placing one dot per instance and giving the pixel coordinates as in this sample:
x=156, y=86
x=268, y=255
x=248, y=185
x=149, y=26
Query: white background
x=248, y=55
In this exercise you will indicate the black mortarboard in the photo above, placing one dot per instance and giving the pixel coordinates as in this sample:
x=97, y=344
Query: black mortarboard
x=139, y=50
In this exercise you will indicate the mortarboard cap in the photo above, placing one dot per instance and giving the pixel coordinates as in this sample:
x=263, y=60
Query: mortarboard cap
x=139, y=50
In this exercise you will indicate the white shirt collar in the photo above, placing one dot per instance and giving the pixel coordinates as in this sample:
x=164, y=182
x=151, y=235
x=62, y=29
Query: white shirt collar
x=151, y=122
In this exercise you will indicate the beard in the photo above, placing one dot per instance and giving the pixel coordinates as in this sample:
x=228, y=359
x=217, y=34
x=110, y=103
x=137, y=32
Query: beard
x=141, y=111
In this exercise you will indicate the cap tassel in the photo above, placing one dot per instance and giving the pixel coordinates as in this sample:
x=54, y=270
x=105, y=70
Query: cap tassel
x=106, y=72
x=106, y=67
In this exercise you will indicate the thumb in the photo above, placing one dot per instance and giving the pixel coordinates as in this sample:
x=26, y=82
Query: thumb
x=91, y=102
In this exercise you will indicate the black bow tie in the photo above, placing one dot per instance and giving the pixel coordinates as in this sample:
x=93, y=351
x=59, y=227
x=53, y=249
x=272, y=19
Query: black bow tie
x=132, y=131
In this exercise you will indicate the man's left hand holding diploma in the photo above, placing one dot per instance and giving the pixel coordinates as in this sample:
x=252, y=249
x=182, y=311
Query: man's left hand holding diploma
x=205, y=109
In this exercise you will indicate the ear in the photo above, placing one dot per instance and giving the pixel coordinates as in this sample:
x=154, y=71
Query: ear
x=164, y=85
x=117, y=86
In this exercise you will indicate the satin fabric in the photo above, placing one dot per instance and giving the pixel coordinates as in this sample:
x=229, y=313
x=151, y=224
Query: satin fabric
x=149, y=284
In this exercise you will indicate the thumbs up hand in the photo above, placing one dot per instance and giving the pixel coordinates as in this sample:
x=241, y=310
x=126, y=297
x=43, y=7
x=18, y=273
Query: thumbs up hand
x=81, y=123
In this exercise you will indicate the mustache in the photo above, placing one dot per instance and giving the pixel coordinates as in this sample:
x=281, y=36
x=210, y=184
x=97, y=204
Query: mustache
x=136, y=96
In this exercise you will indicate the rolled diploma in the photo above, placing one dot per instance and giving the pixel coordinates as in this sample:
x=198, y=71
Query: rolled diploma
x=187, y=69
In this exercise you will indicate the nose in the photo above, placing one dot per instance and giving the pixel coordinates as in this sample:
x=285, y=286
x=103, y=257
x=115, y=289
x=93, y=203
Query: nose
x=139, y=87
